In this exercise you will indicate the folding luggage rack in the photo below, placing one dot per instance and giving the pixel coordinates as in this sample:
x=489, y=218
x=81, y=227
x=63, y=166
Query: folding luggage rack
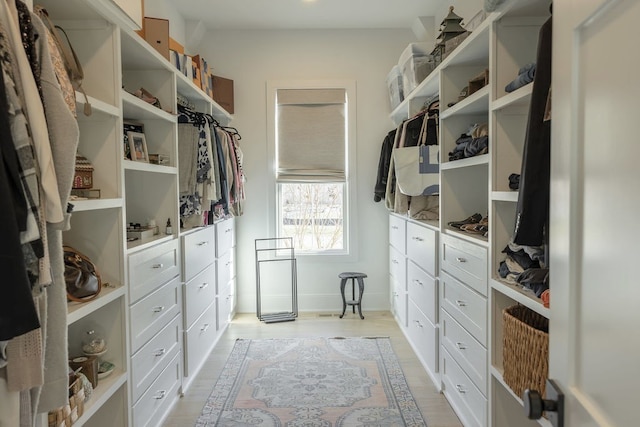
x=276, y=250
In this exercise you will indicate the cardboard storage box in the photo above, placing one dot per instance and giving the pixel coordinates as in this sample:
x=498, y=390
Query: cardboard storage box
x=156, y=33
x=223, y=92
x=195, y=71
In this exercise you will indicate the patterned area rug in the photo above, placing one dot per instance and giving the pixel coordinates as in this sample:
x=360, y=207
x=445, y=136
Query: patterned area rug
x=312, y=382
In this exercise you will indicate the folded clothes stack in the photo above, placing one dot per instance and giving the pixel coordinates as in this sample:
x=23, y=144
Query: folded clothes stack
x=526, y=75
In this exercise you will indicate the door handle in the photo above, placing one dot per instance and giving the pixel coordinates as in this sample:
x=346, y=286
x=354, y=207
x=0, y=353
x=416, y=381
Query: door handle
x=535, y=405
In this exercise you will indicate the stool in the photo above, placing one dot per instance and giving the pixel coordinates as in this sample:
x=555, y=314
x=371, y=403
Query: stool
x=343, y=281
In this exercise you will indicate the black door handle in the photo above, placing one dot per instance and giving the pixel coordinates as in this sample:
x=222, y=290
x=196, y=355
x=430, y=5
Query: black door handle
x=535, y=405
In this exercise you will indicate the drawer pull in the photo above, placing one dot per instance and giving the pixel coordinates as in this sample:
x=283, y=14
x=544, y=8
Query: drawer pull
x=418, y=323
x=158, y=309
x=461, y=346
x=418, y=282
x=157, y=265
x=395, y=227
x=161, y=394
x=394, y=261
x=203, y=243
x=227, y=230
x=203, y=286
x=227, y=264
x=461, y=303
x=204, y=327
x=160, y=352
x=418, y=239
x=461, y=389
x=460, y=259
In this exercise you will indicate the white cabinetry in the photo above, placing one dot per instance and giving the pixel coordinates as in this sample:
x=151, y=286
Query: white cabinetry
x=471, y=293
x=142, y=313
x=413, y=266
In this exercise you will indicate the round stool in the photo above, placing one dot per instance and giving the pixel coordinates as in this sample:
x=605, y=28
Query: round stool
x=353, y=302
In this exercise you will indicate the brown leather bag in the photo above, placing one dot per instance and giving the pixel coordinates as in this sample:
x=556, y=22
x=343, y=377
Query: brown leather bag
x=81, y=276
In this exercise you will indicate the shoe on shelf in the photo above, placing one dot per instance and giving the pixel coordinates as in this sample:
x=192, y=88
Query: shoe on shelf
x=475, y=228
x=473, y=219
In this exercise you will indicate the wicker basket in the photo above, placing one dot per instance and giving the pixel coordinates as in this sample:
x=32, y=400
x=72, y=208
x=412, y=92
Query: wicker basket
x=69, y=414
x=525, y=350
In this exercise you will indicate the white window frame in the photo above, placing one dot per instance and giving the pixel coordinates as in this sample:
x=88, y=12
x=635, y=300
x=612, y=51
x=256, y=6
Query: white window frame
x=349, y=252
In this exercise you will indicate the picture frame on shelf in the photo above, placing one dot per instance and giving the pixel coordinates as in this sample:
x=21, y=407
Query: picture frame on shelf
x=138, y=147
x=130, y=126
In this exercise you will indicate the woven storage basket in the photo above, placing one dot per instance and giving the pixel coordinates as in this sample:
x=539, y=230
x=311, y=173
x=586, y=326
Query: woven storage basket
x=525, y=350
x=69, y=414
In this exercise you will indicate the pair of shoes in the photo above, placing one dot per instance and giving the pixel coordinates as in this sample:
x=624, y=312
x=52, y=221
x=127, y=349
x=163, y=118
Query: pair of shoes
x=481, y=227
x=473, y=219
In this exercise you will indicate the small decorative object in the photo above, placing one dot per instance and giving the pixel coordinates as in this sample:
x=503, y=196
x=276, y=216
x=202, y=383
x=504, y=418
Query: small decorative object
x=478, y=82
x=147, y=97
x=168, y=230
x=159, y=159
x=93, y=344
x=91, y=193
x=88, y=365
x=138, y=147
x=83, y=178
x=449, y=28
x=105, y=369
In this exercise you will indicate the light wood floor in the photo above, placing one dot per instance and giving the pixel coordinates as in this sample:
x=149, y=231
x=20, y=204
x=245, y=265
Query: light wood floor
x=434, y=406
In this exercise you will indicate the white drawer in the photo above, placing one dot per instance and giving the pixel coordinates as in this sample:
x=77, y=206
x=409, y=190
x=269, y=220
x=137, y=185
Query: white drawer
x=226, y=301
x=465, y=261
x=225, y=236
x=423, y=290
x=199, y=340
x=397, y=233
x=422, y=247
x=399, y=301
x=150, y=268
x=470, y=405
x=156, y=401
x=198, y=251
x=397, y=265
x=152, y=313
x=469, y=353
x=424, y=336
x=465, y=305
x=199, y=293
x=154, y=356
x=226, y=268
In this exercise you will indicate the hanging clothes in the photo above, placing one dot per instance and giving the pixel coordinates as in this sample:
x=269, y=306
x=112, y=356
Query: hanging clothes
x=532, y=212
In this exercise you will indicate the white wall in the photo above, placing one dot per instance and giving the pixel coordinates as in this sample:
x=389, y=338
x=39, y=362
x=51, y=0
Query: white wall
x=251, y=58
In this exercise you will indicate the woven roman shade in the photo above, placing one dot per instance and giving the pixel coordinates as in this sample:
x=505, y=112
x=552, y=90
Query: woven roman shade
x=311, y=135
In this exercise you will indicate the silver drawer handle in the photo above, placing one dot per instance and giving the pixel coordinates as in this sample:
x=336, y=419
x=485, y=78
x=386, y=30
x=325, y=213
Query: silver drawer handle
x=418, y=239
x=227, y=264
x=418, y=323
x=461, y=303
x=158, y=309
x=160, y=352
x=394, y=261
x=227, y=230
x=461, y=389
x=158, y=265
x=203, y=286
x=202, y=243
x=418, y=282
x=161, y=394
x=204, y=328
x=460, y=259
x=395, y=294
x=395, y=227
x=228, y=297
x=461, y=346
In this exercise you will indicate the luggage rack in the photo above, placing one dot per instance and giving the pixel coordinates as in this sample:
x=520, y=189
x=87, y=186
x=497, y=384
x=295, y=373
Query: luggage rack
x=276, y=250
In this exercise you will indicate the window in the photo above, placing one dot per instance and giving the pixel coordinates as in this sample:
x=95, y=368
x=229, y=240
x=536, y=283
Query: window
x=312, y=168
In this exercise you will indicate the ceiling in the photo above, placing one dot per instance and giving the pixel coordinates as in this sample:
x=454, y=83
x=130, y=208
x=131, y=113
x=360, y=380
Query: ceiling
x=307, y=14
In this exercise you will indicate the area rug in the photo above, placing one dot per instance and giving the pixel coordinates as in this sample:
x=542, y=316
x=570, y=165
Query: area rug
x=312, y=382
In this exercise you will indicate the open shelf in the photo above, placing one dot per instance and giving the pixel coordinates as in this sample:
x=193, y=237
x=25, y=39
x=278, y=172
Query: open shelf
x=482, y=159
x=78, y=310
x=95, y=204
x=149, y=167
x=499, y=381
x=477, y=102
x=134, y=107
x=477, y=239
x=505, y=196
x=520, y=295
x=140, y=244
x=518, y=98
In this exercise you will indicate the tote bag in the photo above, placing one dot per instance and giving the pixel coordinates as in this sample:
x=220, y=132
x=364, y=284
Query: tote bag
x=417, y=168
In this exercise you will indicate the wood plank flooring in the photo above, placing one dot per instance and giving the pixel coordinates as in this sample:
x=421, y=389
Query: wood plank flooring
x=434, y=406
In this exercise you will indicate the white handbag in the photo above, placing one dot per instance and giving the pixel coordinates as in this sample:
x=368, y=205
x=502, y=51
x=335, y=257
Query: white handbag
x=417, y=168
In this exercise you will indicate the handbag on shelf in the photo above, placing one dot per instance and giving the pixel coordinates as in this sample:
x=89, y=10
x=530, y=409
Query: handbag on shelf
x=81, y=276
x=417, y=168
x=71, y=62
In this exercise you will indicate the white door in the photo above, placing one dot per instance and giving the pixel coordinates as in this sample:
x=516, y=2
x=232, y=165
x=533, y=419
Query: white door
x=595, y=211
